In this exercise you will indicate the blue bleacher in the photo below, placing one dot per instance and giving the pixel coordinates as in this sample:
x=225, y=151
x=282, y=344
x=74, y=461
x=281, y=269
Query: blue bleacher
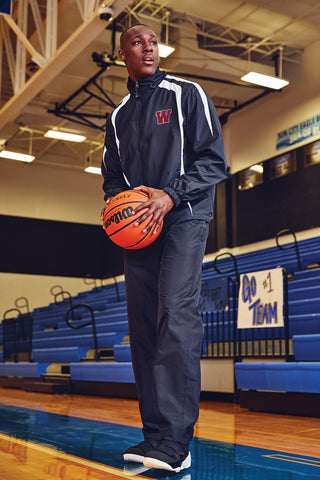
x=302, y=377
x=119, y=324
x=23, y=369
x=295, y=293
x=59, y=354
x=118, y=372
x=122, y=353
x=105, y=340
x=305, y=323
x=306, y=347
x=55, y=342
x=272, y=257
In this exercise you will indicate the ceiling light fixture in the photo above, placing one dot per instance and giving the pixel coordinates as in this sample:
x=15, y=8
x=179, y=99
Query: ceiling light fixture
x=275, y=83
x=69, y=137
x=95, y=170
x=165, y=50
x=21, y=157
x=257, y=168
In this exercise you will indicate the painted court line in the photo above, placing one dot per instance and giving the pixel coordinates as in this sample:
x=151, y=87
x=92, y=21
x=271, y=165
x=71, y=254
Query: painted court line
x=72, y=458
x=288, y=458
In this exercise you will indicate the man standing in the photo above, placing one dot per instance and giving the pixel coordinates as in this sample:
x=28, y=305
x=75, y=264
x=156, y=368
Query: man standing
x=164, y=138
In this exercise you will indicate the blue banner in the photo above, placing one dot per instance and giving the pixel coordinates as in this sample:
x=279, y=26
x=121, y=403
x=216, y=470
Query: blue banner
x=213, y=295
x=298, y=133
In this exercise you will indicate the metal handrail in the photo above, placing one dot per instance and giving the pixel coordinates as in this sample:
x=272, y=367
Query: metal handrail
x=54, y=287
x=288, y=231
x=92, y=281
x=64, y=294
x=91, y=322
x=234, y=269
x=9, y=311
x=24, y=304
x=20, y=332
x=226, y=320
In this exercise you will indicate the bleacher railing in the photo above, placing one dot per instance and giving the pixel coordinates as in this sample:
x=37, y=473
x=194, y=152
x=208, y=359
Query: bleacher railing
x=288, y=231
x=223, y=339
x=88, y=280
x=17, y=336
x=62, y=297
x=219, y=339
x=69, y=318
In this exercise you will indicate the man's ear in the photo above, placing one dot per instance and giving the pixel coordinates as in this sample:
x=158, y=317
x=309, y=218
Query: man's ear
x=122, y=55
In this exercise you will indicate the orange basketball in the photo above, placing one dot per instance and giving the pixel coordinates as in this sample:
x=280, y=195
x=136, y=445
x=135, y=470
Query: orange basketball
x=119, y=221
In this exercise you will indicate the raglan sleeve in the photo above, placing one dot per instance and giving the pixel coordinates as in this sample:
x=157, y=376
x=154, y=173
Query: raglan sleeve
x=204, y=148
x=113, y=179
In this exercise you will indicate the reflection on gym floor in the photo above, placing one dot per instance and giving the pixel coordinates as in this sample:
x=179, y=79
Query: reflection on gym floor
x=42, y=445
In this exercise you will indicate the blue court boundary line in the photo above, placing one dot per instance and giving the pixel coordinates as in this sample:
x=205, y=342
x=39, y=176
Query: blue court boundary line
x=104, y=442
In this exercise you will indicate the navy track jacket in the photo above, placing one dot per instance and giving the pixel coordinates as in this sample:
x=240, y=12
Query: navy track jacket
x=165, y=134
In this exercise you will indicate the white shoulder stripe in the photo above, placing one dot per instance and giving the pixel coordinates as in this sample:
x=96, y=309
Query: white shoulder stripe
x=113, y=121
x=177, y=90
x=202, y=95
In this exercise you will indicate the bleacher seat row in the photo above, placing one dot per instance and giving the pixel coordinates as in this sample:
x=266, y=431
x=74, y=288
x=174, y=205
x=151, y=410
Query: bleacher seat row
x=118, y=372
x=303, y=377
x=55, y=342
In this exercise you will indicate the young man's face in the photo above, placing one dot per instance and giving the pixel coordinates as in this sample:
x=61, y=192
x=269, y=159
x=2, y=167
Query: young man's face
x=139, y=51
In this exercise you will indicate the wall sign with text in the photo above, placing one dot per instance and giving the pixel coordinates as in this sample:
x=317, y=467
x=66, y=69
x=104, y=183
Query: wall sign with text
x=312, y=153
x=260, y=302
x=308, y=129
x=213, y=295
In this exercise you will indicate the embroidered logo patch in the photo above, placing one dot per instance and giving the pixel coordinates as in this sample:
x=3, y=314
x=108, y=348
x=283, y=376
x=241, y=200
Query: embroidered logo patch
x=163, y=116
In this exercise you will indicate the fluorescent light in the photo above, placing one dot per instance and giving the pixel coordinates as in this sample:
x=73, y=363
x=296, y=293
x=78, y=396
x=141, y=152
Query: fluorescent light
x=69, y=137
x=21, y=157
x=165, y=50
x=95, y=170
x=265, y=80
x=257, y=168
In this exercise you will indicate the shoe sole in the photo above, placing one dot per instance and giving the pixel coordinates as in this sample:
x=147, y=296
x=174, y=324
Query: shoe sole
x=133, y=469
x=154, y=463
x=132, y=457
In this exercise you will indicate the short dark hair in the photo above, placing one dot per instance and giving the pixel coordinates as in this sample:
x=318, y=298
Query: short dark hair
x=124, y=33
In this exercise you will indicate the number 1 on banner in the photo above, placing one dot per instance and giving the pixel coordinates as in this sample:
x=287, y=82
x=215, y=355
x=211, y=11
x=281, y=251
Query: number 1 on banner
x=267, y=283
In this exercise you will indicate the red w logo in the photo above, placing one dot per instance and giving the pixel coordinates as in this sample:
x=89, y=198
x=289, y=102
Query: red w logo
x=163, y=116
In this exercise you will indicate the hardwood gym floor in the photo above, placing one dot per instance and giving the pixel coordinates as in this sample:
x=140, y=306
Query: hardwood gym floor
x=75, y=437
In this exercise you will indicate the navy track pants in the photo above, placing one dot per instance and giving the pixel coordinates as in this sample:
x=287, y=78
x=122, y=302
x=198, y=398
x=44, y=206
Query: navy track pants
x=163, y=284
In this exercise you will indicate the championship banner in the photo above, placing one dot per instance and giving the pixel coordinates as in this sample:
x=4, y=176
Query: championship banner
x=260, y=302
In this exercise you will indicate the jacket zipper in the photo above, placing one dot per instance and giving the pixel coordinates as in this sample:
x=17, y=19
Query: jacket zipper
x=139, y=120
x=136, y=88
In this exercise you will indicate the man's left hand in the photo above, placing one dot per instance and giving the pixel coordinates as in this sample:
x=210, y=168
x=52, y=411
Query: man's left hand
x=159, y=204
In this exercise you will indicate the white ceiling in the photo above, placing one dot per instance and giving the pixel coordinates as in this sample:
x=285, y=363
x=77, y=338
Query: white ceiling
x=230, y=33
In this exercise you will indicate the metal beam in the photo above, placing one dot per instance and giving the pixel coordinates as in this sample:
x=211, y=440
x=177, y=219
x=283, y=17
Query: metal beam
x=8, y=49
x=72, y=47
x=20, y=74
x=36, y=55
x=38, y=23
x=51, y=28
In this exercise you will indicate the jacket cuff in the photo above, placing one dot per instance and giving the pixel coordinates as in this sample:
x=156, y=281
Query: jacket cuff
x=112, y=193
x=173, y=195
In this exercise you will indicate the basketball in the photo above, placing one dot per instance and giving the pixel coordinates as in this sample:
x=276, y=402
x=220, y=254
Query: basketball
x=119, y=221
